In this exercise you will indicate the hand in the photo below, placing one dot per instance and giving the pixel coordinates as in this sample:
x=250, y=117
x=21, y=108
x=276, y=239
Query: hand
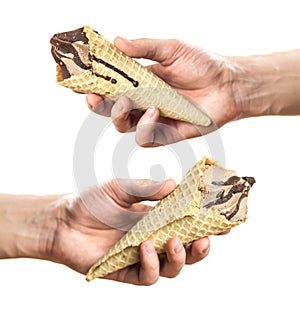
x=198, y=74
x=88, y=225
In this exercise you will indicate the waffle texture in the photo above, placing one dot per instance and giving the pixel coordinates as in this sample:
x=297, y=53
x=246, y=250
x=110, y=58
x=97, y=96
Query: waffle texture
x=114, y=74
x=184, y=213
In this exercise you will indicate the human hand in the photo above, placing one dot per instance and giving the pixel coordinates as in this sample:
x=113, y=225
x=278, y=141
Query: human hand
x=206, y=78
x=90, y=224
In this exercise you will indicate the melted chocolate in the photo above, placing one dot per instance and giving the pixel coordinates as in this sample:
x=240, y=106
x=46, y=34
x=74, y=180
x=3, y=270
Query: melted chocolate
x=72, y=36
x=115, y=69
x=250, y=180
x=108, y=78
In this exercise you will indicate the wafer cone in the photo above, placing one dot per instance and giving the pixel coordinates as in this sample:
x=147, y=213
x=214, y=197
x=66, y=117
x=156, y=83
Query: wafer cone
x=208, y=201
x=107, y=71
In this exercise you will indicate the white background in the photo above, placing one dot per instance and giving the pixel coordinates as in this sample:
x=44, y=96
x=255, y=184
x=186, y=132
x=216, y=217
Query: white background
x=252, y=271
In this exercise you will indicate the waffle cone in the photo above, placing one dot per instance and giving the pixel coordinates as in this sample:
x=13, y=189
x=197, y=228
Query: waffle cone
x=180, y=214
x=114, y=74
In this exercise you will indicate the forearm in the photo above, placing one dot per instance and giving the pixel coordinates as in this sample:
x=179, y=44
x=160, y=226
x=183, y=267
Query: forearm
x=270, y=84
x=27, y=224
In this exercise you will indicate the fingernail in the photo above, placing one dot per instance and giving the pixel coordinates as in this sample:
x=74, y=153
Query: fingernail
x=123, y=38
x=120, y=105
x=178, y=247
x=170, y=182
x=149, y=247
x=205, y=251
x=150, y=112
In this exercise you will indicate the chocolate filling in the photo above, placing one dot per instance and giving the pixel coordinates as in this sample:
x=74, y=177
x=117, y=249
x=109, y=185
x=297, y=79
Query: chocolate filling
x=70, y=51
x=66, y=54
x=225, y=196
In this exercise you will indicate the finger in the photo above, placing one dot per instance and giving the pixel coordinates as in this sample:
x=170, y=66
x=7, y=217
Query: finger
x=144, y=273
x=149, y=269
x=161, y=51
x=174, y=259
x=145, y=129
x=100, y=104
x=224, y=232
x=153, y=130
x=197, y=250
x=156, y=50
x=123, y=116
x=127, y=192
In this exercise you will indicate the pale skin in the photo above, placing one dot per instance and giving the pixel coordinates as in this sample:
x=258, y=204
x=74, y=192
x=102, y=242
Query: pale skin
x=228, y=88
x=64, y=230
x=77, y=230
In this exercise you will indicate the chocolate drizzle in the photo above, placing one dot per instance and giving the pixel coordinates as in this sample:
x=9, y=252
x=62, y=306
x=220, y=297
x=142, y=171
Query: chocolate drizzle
x=108, y=78
x=115, y=69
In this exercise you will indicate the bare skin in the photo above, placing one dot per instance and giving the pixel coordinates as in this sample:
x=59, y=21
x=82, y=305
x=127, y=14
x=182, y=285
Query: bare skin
x=65, y=230
x=77, y=230
x=228, y=88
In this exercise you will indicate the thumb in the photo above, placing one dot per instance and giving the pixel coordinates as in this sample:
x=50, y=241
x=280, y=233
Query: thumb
x=129, y=191
x=153, y=49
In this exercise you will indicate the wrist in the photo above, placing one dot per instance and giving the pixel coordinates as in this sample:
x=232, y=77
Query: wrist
x=268, y=84
x=27, y=225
